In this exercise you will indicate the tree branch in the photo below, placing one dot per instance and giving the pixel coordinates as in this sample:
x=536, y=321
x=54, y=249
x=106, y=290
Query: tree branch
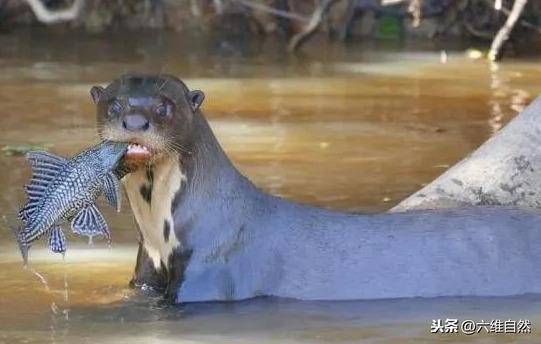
x=44, y=15
x=218, y=6
x=314, y=23
x=504, y=32
x=414, y=9
x=522, y=22
x=195, y=9
x=272, y=10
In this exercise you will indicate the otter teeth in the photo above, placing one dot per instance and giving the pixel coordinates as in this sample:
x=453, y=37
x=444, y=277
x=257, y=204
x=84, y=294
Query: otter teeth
x=137, y=148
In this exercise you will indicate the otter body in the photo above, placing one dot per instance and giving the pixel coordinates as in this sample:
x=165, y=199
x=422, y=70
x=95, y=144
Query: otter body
x=288, y=250
x=209, y=234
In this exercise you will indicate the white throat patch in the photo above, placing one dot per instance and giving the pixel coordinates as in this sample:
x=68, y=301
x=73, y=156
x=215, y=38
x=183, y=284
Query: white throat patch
x=153, y=216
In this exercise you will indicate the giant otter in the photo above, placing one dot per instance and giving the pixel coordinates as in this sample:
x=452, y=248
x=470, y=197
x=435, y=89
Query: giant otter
x=209, y=234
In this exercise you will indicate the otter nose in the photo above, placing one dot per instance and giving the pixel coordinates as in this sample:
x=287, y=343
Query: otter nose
x=135, y=122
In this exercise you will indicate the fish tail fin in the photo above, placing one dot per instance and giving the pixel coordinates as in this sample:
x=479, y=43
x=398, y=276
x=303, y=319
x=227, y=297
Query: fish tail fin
x=18, y=232
x=23, y=246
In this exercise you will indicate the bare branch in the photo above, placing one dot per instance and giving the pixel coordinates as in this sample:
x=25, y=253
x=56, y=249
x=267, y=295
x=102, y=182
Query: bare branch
x=314, y=23
x=195, y=9
x=391, y=2
x=504, y=32
x=44, y=15
x=414, y=9
x=272, y=10
x=522, y=22
x=218, y=6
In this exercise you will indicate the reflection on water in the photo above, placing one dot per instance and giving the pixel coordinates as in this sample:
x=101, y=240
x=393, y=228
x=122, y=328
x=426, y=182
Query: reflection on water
x=346, y=128
x=98, y=309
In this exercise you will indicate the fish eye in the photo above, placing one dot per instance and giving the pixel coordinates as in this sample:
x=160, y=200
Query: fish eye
x=163, y=109
x=114, y=108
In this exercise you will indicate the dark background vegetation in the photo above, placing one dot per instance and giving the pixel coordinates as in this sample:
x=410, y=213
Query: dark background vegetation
x=294, y=20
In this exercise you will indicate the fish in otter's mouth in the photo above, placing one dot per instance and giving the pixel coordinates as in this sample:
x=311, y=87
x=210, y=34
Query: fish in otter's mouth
x=137, y=156
x=137, y=151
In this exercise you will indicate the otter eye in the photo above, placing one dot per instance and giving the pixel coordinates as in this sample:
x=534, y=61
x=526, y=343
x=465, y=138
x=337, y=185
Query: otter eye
x=114, y=108
x=162, y=110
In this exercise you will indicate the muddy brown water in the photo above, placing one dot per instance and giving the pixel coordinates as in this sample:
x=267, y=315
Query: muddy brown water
x=343, y=127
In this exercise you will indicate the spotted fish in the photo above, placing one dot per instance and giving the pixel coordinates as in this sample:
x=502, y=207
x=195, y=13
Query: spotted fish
x=63, y=190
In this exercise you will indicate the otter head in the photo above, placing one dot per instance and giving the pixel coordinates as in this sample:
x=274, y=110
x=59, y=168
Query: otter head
x=154, y=113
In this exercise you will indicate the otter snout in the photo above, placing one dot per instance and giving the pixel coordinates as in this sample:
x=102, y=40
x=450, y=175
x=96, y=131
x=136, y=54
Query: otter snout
x=135, y=122
x=153, y=114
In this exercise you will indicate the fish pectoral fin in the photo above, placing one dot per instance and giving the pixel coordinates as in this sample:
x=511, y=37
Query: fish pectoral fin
x=45, y=167
x=111, y=190
x=90, y=222
x=57, y=240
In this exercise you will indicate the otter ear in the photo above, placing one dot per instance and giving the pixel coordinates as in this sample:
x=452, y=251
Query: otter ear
x=97, y=92
x=196, y=99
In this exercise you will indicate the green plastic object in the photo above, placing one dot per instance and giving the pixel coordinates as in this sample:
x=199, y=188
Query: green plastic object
x=388, y=27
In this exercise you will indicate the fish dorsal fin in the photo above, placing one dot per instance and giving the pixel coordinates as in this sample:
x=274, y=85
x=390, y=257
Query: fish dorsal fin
x=111, y=190
x=57, y=240
x=43, y=156
x=90, y=222
x=45, y=167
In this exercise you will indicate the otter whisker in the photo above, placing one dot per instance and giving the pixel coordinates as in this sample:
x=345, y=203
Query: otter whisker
x=176, y=146
x=163, y=84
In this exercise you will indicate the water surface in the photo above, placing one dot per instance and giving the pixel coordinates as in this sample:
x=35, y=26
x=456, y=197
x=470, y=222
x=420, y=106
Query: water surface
x=354, y=128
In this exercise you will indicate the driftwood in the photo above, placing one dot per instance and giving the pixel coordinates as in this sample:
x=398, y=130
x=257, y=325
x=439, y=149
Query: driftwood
x=44, y=15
